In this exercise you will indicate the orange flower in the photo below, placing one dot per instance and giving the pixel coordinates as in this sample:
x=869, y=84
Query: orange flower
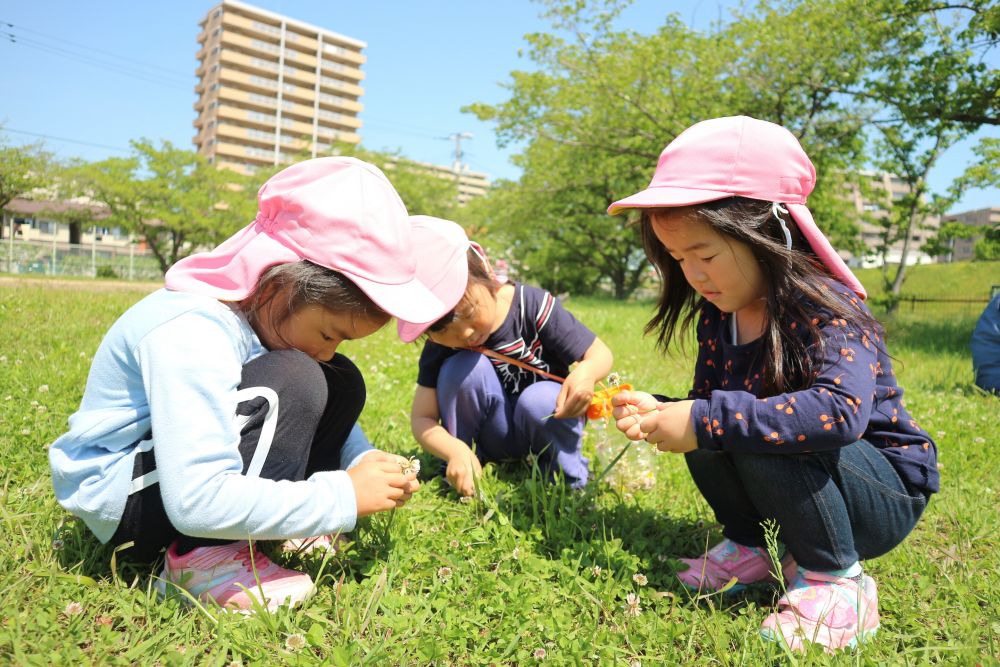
x=600, y=404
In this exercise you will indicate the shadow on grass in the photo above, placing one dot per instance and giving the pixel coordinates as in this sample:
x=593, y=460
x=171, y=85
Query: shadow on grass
x=929, y=335
x=83, y=554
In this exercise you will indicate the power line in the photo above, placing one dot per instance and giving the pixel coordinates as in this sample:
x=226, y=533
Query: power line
x=126, y=69
x=70, y=141
x=96, y=50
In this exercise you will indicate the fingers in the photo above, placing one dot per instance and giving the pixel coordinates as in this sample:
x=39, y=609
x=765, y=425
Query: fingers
x=621, y=398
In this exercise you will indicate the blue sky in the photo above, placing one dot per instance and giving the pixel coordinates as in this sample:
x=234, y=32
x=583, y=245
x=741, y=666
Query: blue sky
x=89, y=76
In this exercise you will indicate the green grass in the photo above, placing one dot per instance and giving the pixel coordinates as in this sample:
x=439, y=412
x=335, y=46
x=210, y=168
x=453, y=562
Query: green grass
x=969, y=280
x=521, y=566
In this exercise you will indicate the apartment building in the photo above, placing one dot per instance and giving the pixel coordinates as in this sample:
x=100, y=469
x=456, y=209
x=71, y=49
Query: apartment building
x=884, y=190
x=962, y=249
x=471, y=184
x=271, y=88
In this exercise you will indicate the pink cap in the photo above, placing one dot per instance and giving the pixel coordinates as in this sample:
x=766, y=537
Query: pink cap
x=441, y=248
x=338, y=212
x=746, y=157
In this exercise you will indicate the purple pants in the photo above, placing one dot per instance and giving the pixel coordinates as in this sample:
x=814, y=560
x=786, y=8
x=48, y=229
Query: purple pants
x=475, y=409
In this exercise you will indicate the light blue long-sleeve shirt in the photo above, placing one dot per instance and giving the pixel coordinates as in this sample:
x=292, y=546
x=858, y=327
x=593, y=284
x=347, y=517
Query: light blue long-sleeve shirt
x=171, y=365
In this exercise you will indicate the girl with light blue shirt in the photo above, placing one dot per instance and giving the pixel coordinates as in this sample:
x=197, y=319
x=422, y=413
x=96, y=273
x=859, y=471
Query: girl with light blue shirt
x=218, y=411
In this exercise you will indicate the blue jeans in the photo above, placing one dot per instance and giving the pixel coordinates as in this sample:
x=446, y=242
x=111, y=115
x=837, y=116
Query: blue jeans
x=475, y=409
x=832, y=508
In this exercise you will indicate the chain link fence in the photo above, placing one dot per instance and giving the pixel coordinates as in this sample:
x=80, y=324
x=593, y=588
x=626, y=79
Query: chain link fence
x=66, y=259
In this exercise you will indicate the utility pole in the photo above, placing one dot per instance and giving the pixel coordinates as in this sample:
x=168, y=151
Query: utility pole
x=457, y=164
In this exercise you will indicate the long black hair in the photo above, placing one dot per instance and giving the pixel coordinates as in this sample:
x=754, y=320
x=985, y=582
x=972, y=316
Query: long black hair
x=797, y=289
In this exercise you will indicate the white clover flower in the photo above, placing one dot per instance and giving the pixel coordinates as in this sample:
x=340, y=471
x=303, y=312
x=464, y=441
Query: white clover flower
x=73, y=608
x=516, y=553
x=539, y=654
x=596, y=570
x=57, y=544
x=410, y=465
x=632, y=606
x=43, y=388
x=444, y=573
x=640, y=578
x=295, y=642
x=25, y=431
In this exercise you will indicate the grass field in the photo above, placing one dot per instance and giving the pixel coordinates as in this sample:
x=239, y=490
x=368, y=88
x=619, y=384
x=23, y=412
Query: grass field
x=533, y=574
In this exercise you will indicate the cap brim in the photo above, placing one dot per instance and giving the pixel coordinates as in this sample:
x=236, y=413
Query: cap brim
x=655, y=197
x=449, y=289
x=412, y=300
x=824, y=250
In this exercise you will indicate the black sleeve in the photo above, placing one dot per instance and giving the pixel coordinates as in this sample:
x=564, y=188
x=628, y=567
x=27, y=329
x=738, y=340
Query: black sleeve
x=432, y=357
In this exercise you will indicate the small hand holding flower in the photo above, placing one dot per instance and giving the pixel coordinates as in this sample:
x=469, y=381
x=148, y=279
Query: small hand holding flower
x=380, y=482
x=574, y=397
x=667, y=425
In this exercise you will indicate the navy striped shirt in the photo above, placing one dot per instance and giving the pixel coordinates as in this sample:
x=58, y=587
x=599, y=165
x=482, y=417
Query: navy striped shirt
x=537, y=331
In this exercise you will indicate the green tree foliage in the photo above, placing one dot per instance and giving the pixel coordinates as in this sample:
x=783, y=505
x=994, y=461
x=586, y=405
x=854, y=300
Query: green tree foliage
x=601, y=105
x=22, y=169
x=988, y=247
x=929, y=86
x=172, y=198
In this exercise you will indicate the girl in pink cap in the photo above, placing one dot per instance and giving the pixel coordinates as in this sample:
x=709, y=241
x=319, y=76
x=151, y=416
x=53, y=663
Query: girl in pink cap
x=218, y=411
x=494, y=372
x=795, y=415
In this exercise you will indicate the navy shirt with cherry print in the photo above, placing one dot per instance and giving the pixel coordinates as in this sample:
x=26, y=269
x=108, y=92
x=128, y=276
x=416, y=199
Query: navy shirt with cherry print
x=854, y=396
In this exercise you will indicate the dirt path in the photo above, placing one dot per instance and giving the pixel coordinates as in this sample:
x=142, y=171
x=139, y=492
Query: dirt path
x=86, y=285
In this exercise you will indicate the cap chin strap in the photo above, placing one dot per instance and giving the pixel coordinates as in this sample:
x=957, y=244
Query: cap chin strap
x=481, y=254
x=777, y=208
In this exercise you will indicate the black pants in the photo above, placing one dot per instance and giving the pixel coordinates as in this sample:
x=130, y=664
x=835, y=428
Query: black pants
x=319, y=405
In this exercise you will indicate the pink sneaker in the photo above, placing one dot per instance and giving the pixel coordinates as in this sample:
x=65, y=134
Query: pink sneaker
x=727, y=559
x=224, y=575
x=828, y=610
x=305, y=545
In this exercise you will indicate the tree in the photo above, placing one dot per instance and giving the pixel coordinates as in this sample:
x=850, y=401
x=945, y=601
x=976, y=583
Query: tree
x=22, y=169
x=601, y=105
x=930, y=87
x=172, y=198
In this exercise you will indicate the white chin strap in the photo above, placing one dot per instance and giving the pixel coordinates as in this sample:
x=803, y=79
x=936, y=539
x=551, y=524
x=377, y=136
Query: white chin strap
x=777, y=208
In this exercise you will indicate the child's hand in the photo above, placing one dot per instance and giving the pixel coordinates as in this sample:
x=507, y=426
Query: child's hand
x=379, y=483
x=668, y=426
x=462, y=471
x=574, y=397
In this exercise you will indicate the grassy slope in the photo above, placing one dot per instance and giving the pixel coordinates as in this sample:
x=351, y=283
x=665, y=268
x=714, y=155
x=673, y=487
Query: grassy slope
x=958, y=280
x=521, y=565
